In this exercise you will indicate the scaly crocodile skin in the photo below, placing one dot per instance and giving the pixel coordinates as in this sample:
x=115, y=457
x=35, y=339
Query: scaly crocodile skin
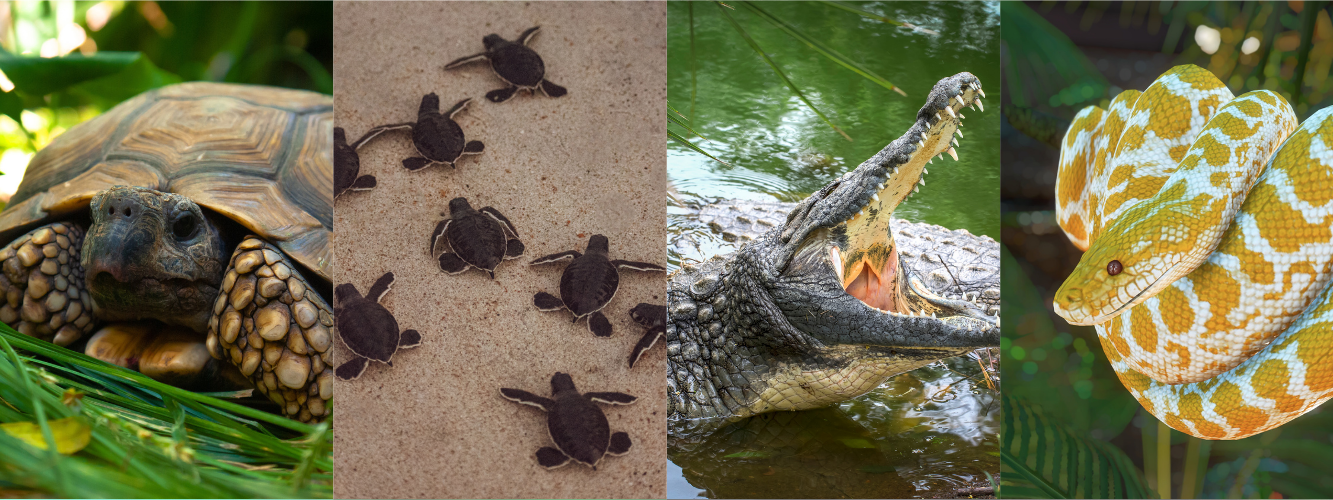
x=1220, y=320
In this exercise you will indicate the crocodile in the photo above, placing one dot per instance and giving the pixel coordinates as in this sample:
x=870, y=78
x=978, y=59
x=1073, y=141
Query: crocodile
x=825, y=305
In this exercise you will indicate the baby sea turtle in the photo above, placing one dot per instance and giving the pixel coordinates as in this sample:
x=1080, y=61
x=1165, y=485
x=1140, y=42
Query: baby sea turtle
x=588, y=284
x=436, y=135
x=515, y=63
x=576, y=425
x=347, y=166
x=478, y=238
x=653, y=317
x=367, y=328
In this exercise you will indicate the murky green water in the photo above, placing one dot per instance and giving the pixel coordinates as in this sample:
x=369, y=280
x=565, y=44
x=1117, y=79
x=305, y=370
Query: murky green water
x=895, y=441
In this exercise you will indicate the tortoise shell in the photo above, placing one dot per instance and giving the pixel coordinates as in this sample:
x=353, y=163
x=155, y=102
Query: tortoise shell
x=261, y=156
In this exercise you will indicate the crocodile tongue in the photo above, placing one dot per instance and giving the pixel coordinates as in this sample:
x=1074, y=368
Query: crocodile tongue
x=867, y=263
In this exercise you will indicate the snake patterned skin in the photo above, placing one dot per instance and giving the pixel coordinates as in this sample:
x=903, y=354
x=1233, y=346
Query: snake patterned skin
x=1207, y=222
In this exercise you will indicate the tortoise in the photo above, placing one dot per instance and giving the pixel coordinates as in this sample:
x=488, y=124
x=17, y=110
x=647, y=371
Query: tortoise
x=367, y=328
x=436, y=136
x=478, y=238
x=588, y=284
x=515, y=63
x=347, y=165
x=203, y=206
x=577, y=426
x=654, y=318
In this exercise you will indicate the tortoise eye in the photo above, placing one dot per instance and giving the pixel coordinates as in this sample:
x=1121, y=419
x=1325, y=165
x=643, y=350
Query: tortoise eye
x=184, y=227
x=1114, y=268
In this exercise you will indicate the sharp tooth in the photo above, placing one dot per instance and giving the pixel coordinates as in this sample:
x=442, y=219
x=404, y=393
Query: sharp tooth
x=923, y=169
x=959, y=132
x=955, y=141
x=942, y=155
x=960, y=115
x=932, y=315
x=937, y=115
x=881, y=186
x=931, y=161
x=954, y=154
x=922, y=181
x=950, y=111
x=923, y=136
x=921, y=144
x=982, y=92
x=916, y=189
x=979, y=104
x=875, y=196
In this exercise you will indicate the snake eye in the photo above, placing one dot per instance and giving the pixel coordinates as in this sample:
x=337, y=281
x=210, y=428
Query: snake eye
x=1114, y=268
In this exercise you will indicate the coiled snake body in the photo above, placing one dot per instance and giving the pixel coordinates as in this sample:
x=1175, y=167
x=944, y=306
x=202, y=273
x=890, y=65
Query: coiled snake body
x=1207, y=221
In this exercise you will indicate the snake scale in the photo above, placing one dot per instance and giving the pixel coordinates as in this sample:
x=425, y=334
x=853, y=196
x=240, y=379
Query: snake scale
x=1207, y=225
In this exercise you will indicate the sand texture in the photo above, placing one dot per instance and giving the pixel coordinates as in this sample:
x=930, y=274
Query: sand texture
x=561, y=169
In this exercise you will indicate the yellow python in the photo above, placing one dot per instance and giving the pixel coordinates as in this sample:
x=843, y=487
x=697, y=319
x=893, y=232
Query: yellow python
x=1207, y=221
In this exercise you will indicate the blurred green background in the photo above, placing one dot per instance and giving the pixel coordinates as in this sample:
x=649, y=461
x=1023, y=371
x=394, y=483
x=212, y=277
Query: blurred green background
x=64, y=62
x=1059, y=57
x=119, y=434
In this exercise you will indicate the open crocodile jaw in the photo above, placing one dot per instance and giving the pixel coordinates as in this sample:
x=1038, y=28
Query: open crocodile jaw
x=866, y=261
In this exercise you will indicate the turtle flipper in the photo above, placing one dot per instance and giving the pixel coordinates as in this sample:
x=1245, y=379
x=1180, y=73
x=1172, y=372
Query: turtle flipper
x=611, y=398
x=547, y=302
x=648, y=315
x=36, y=297
x=288, y=354
x=501, y=95
x=619, y=445
x=353, y=369
x=437, y=233
x=572, y=254
x=381, y=287
x=637, y=266
x=416, y=163
x=649, y=339
x=473, y=148
x=524, y=397
x=452, y=264
x=513, y=249
x=364, y=183
x=527, y=35
x=599, y=325
x=466, y=60
x=513, y=233
x=551, y=458
x=409, y=339
x=551, y=89
x=458, y=107
x=375, y=132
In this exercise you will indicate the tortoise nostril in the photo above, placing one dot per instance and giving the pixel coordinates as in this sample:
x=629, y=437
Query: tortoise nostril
x=127, y=211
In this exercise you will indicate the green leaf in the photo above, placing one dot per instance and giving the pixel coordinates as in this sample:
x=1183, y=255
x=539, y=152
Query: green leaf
x=1062, y=73
x=1043, y=456
x=857, y=443
x=42, y=75
x=760, y=50
x=132, y=80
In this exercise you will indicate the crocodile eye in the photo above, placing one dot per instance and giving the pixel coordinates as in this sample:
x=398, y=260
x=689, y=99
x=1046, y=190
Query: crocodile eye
x=1114, y=268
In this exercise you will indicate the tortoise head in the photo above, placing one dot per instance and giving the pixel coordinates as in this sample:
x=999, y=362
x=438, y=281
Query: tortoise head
x=150, y=254
x=459, y=205
x=562, y=382
x=492, y=40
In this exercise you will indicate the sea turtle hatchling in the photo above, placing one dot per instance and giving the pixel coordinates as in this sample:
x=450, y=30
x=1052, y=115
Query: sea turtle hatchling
x=654, y=318
x=347, y=166
x=515, y=63
x=436, y=136
x=479, y=238
x=576, y=425
x=202, y=206
x=588, y=283
x=367, y=328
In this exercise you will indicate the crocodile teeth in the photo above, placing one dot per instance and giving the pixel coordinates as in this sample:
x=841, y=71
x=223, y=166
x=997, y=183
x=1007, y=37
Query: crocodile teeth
x=982, y=92
x=954, y=154
x=955, y=141
x=922, y=181
x=979, y=104
x=960, y=115
x=881, y=186
x=942, y=155
x=932, y=315
x=921, y=144
x=916, y=189
x=930, y=161
x=875, y=196
x=923, y=170
x=950, y=110
x=959, y=132
x=923, y=136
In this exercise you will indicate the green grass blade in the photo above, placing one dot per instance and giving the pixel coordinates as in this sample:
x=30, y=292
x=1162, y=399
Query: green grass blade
x=822, y=48
x=759, y=50
x=676, y=137
x=681, y=121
